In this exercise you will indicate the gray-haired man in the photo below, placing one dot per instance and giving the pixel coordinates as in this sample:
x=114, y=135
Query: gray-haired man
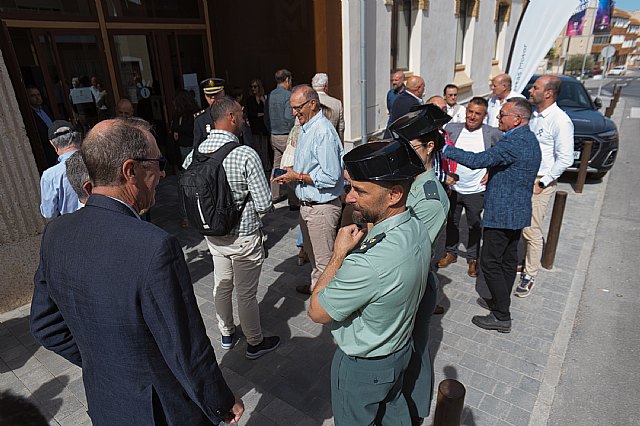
x=57, y=195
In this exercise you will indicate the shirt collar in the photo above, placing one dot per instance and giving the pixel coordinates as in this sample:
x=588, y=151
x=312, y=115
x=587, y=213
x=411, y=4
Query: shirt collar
x=305, y=127
x=66, y=155
x=390, y=223
x=221, y=135
x=419, y=99
x=548, y=110
x=130, y=208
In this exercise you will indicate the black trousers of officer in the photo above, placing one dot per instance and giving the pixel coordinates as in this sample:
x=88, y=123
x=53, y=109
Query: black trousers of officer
x=498, y=261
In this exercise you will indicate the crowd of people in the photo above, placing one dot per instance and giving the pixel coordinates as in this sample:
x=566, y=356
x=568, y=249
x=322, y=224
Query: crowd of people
x=371, y=224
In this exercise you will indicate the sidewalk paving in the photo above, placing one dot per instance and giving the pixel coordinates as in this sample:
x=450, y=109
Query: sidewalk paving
x=510, y=378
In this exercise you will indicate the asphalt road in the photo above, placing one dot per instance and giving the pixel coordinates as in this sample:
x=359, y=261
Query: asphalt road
x=600, y=380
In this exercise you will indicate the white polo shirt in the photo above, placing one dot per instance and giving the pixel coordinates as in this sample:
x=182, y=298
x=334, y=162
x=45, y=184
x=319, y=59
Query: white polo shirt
x=554, y=131
x=457, y=112
x=494, y=107
x=469, y=182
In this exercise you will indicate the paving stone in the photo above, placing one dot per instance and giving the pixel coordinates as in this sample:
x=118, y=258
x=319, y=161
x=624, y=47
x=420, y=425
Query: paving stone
x=494, y=406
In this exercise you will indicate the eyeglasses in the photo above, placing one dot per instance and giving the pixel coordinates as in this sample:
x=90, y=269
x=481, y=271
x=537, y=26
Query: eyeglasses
x=162, y=162
x=452, y=95
x=501, y=114
x=299, y=107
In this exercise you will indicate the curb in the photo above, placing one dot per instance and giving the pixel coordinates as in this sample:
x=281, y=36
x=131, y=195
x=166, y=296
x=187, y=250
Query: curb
x=553, y=370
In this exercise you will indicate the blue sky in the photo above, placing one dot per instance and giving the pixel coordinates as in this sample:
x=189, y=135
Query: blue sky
x=628, y=5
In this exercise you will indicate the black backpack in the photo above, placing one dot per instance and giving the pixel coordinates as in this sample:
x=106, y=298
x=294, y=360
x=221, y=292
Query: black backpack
x=206, y=195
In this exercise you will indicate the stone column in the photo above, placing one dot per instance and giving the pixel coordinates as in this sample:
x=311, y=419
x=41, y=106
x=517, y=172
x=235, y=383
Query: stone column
x=20, y=220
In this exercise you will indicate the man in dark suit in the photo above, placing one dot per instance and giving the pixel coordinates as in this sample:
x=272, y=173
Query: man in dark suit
x=43, y=120
x=468, y=190
x=213, y=88
x=513, y=164
x=411, y=97
x=113, y=295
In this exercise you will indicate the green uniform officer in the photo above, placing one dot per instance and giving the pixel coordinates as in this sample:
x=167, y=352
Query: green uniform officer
x=372, y=287
x=428, y=201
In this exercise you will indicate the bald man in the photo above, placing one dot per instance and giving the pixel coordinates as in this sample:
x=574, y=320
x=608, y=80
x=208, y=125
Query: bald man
x=124, y=108
x=412, y=96
x=438, y=101
x=397, y=87
x=500, y=92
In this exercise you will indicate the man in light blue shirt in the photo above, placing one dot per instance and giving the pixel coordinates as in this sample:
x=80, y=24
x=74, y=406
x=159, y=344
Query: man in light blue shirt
x=57, y=196
x=317, y=173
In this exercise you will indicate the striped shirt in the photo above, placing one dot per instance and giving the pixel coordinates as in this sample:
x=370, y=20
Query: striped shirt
x=246, y=178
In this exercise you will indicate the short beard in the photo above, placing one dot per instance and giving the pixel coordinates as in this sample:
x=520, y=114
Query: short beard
x=361, y=218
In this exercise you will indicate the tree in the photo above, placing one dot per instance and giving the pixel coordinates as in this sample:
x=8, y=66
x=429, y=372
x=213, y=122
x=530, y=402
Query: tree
x=574, y=64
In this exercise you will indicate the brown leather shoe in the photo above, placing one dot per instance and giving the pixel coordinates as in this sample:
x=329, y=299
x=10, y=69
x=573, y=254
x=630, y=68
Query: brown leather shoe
x=439, y=310
x=447, y=260
x=473, y=268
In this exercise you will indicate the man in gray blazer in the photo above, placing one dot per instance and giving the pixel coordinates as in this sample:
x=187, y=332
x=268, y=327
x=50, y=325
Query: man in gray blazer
x=468, y=192
x=331, y=107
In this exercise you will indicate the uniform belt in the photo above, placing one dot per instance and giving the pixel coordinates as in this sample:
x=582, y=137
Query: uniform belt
x=375, y=358
x=315, y=203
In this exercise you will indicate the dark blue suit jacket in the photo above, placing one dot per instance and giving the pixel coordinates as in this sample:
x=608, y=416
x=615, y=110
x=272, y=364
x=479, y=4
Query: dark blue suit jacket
x=401, y=105
x=513, y=165
x=113, y=295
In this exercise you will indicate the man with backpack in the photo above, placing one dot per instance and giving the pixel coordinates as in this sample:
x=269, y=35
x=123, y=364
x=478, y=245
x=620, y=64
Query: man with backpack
x=232, y=229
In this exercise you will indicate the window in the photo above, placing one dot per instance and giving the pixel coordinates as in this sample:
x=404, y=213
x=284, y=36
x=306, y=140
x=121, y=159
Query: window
x=601, y=40
x=166, y=9
x=502, y=14
x=461, y=30
x=400, y=34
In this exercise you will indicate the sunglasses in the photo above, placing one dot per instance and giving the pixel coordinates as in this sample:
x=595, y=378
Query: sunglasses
x=162, y=162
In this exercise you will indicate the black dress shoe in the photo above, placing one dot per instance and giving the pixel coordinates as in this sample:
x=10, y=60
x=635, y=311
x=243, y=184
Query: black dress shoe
x=439, y=310
x=490, y=322
x=485, y=303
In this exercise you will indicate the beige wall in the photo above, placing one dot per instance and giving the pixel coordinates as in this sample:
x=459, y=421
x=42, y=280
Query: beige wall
x=20, y=220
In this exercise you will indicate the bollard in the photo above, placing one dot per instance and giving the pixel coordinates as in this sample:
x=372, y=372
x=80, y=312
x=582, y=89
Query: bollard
x=450, y=403
x=584, y=162
x=549, y=254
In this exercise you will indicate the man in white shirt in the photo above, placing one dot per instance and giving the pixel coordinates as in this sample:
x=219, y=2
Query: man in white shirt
x=500, y=92
x=468, y=191
x=456, y=111
x=554, y=130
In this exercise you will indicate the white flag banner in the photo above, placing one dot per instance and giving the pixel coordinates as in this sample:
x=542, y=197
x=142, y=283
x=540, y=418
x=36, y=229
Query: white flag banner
x=543, y=20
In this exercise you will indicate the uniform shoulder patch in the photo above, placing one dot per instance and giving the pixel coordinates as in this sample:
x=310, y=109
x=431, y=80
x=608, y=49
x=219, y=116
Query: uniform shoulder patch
x=368, y=242
x=431, y=190
x=199, y=113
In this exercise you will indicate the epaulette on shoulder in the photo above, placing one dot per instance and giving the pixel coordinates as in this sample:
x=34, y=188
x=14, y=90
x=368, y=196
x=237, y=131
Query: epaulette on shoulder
x=431, y=190
x=367, y=243
x=199, y=113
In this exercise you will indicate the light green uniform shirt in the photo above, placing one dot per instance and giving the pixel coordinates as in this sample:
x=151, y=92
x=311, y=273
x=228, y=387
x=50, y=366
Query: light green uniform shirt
x=375, y=294
x=432, y=212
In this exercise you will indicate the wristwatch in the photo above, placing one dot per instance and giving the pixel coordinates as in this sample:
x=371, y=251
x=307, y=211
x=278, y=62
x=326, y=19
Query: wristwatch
x=541, y=185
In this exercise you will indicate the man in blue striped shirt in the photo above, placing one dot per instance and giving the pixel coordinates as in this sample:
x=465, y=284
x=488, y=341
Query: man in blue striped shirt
x=318, y=176
x=512, y=164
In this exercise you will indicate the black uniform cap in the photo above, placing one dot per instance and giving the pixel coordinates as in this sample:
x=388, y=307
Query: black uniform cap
x=425, y=119
x=383, y=161
x=59, y=128
x=211, y=86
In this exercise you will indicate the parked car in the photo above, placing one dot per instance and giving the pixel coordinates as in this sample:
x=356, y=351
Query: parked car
x=618, y=70
x=588, y=125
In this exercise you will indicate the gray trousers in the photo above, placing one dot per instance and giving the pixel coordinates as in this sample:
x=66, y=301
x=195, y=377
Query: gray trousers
x=369, y=391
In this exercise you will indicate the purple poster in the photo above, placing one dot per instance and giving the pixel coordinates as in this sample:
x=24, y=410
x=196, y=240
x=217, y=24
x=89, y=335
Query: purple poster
x=602, y=24
x=576, y=24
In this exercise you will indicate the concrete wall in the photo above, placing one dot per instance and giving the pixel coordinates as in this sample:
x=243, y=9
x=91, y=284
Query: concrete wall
x=431, y=54
x=20, y=220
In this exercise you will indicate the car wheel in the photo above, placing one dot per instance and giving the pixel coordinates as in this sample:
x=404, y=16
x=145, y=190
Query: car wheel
x=598, y=175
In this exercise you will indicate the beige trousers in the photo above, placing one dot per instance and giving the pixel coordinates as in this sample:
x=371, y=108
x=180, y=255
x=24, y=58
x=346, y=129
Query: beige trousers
x=319, y=224
x=237, y=262
x=279, y=144
x=532, y=235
